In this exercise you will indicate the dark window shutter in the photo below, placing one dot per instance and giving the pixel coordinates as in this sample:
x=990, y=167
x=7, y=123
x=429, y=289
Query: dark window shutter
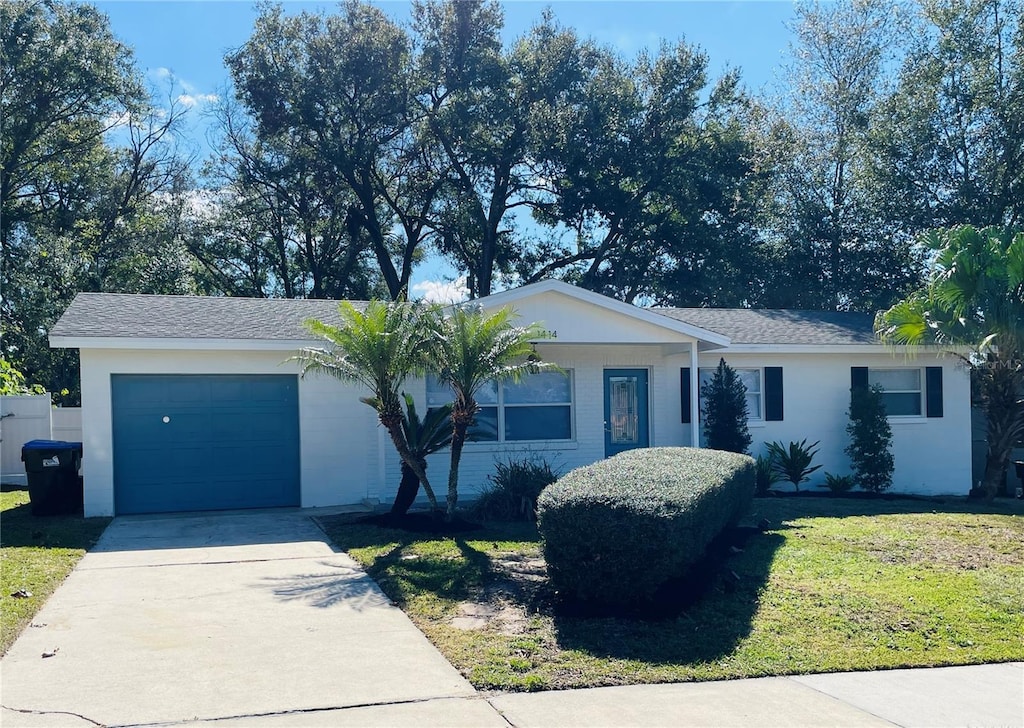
x=858, y=377
x=684, y=393
x=933, y=391
x=773, y=394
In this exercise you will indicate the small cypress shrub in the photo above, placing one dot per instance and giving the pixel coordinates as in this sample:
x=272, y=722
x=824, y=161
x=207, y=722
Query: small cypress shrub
x=870, y=447
x=725, y=411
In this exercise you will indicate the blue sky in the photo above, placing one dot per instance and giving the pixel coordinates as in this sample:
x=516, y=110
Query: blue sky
x=188, y=40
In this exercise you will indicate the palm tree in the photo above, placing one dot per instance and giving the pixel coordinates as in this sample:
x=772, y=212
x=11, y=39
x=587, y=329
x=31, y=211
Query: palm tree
x=425, y=437
x=974, y=297
x=378, y=347
x=469, y=349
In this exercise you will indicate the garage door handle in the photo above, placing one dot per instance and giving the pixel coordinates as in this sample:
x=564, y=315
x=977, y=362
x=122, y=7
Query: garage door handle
x=166, y=419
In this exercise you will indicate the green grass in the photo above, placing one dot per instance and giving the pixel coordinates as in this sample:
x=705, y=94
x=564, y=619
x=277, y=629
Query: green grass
x=835, y=584
x=36, y=555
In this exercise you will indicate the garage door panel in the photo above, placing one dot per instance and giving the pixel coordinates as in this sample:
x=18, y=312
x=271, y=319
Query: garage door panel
x=230, y=463
x=250, y=427
x=220, y=448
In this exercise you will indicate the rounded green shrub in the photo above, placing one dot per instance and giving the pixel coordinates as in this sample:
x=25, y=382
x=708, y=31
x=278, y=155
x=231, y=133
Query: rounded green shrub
x=617, y=530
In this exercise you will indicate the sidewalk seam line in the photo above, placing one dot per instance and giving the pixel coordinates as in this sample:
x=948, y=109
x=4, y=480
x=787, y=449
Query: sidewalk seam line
x=297, y=711
x=791, y=678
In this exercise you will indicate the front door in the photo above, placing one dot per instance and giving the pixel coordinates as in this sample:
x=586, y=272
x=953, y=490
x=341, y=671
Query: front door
x=625, y=410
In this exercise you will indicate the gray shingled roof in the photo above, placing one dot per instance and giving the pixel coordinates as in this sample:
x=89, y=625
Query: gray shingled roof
x=201, y=317
x=121, y=315
x=779, y=326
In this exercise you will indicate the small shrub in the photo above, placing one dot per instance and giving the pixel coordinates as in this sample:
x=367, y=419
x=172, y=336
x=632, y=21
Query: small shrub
x=839, y=483
x=725, y=411
x=765, y=474
x=870, y=447
x=794, y=464
x=513, y=490
x=617, y=530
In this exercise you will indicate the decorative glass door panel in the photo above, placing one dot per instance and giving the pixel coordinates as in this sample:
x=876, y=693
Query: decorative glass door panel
x=625, y=410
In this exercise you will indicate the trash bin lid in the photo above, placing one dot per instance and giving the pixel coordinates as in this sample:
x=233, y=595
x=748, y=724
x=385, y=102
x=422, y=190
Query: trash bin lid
x=51, y=445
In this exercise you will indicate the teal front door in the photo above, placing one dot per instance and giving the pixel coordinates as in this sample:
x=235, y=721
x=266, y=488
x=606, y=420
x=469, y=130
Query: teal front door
x=625, y=410
x=204, y=442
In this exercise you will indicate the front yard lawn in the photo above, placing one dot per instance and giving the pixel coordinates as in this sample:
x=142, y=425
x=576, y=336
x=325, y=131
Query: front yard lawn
x=833, y=584
x=36, y=555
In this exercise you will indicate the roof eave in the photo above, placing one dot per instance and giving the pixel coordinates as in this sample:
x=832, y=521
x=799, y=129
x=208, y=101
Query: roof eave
x=58, y=341
x=865, y=348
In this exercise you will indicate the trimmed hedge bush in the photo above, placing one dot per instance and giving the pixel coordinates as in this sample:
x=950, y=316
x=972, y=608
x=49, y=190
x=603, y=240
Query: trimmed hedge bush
x=617, y=530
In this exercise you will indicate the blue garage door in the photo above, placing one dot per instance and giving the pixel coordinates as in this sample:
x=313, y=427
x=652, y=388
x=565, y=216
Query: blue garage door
x=204, y=442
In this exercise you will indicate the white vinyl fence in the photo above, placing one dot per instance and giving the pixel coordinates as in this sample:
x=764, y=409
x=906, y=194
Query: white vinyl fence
x=32, y=417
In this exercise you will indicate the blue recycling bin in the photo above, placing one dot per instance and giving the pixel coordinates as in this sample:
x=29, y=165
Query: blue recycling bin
x=54, y=487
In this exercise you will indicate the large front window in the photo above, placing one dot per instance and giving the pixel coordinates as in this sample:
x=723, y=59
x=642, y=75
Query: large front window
x=538, y=407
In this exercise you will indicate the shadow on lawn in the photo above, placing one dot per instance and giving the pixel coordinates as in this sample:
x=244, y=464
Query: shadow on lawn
x=21, y=528
x=699, y=618
x=402, y=575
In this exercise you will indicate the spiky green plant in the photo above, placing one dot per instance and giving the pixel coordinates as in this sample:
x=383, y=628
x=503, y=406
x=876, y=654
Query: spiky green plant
x=765, y=475
x=425, y=437
x=793, y=463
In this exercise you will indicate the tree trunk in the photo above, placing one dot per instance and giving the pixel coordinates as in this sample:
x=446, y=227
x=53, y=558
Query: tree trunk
x=394, y=428
x=408, y=489
x=458, y=440
x=1001, y=385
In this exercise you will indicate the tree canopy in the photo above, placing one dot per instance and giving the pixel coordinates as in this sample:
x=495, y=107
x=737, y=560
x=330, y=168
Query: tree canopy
x=351, y=147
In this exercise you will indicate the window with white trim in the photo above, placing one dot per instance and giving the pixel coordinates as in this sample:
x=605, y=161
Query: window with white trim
x=537, y=407
x=751, y=379
x=902, y=390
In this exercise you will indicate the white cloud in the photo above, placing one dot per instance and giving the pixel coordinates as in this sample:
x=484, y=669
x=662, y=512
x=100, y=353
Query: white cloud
x=162, y=72
x=190, y=100
x=117, y=119
x=441, y=291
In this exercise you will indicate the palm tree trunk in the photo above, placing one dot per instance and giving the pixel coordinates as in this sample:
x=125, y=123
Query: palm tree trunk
x=394, y=428
x=458, y=440
x=1001, y=384
x=408, y=488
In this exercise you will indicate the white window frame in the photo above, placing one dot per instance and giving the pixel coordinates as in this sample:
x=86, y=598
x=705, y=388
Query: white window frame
x=501, y=405
x=920, y=391
x=751, y=416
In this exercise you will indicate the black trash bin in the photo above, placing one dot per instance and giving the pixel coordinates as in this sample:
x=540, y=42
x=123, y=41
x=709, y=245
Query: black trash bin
x=54, y=487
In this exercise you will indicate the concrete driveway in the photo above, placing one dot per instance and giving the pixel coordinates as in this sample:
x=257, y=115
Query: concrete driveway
x=175, y=619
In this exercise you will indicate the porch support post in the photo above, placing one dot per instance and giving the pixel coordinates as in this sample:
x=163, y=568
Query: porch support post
x=694, y=398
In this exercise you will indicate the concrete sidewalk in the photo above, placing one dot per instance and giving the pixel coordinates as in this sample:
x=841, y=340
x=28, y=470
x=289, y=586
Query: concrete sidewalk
x=981, y=695
x=254, y=620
